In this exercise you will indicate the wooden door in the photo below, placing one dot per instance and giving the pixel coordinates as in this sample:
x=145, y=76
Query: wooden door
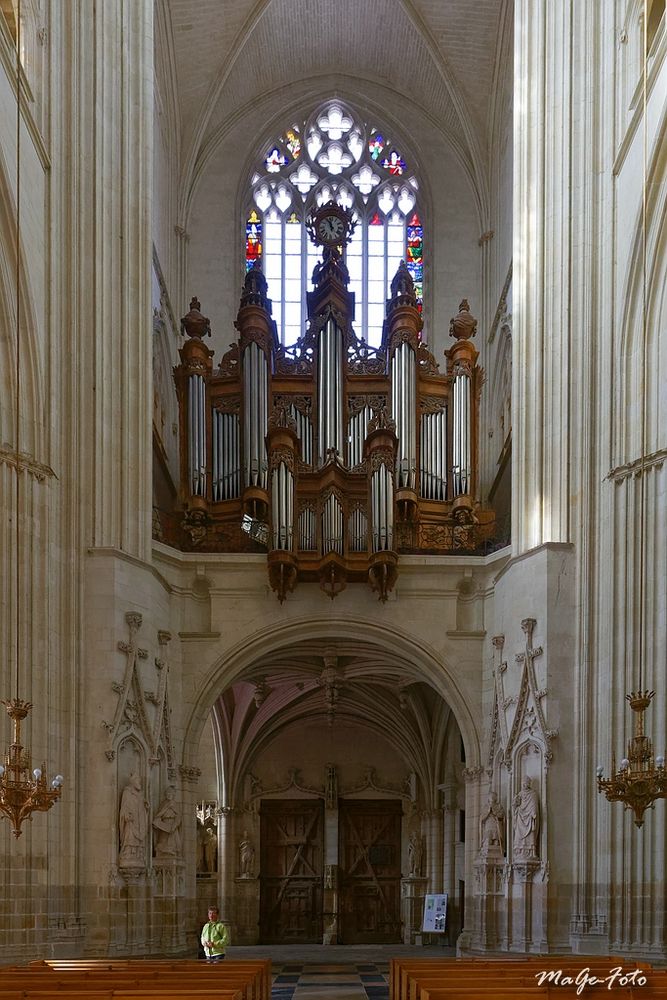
x=369, y=854
x=291, y=851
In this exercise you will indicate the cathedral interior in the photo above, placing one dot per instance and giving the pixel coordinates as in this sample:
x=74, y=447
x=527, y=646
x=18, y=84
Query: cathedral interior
x=332, y=469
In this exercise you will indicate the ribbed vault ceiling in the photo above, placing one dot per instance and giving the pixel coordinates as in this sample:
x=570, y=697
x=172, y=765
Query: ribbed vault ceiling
x=229, y=54
x=314, y=681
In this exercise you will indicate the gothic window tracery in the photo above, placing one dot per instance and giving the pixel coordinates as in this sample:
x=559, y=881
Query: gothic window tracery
x=334, y=154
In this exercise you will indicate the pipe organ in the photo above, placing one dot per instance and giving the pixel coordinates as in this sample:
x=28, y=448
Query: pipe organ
x=331, y=456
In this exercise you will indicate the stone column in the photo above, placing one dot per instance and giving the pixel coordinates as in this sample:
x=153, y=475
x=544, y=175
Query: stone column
x=542, y=260
x=244, y=865
x=226, y=864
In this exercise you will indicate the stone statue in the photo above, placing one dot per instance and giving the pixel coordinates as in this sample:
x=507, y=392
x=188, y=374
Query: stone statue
x=167, y=825
x=211, y=850
x=415, y=855
x=201, y=847
x=246, y=856
x=526, y=820
x=492, y=827
x=133, y=824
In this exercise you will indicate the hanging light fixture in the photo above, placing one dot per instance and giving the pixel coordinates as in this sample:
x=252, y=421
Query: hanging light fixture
x=22, y=789
x=640, y=778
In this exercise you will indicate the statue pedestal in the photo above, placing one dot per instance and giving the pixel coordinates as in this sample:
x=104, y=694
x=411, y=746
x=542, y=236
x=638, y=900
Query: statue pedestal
x=330, y=905
x=169, y=875
x=169, y=904
x=527, y=905
x=413, y=890
x=491, y=882
x=246, y=909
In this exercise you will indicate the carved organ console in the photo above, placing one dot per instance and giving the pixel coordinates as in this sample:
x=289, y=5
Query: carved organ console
x=329, y=454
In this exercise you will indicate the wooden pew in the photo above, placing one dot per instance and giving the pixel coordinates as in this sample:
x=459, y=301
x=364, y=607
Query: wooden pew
x=133, y=979
x=259, y=970
x=436, y=979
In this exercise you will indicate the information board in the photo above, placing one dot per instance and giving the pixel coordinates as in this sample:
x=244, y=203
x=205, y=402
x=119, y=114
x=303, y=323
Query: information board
x=435, y=913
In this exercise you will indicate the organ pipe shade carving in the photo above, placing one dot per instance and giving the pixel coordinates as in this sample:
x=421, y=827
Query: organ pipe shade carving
x=338, y=456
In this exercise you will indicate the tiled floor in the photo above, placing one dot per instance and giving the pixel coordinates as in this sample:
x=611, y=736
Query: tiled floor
x=318, y=972
x=352, y=981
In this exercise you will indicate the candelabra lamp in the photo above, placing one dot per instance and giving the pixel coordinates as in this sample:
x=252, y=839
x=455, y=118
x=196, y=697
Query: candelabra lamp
x=640, y=778
x=23, y=790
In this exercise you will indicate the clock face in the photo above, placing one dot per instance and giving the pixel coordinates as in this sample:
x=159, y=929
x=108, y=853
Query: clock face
x=330, y=229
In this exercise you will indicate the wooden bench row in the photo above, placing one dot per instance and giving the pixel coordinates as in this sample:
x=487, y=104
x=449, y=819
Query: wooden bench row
x=131, y=979
x=442, y=979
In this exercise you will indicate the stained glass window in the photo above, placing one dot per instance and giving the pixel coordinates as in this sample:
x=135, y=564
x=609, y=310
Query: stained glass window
x=415, y=255
x=293, y=142
x=375, y=146
x=275, y=160
x=394, y=163
x=334, y=154
x=253, y=239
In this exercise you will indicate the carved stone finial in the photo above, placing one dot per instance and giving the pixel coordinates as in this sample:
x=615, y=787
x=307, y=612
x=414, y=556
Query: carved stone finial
x=134, y=620
x=527, y=626
x=463, y=326
x=193, y=323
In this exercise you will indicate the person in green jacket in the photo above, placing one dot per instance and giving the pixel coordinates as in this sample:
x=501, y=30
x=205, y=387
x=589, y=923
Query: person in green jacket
x=214, y=936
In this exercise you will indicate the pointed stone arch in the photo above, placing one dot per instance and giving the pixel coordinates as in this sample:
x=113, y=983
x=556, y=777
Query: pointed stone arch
x=419, y=658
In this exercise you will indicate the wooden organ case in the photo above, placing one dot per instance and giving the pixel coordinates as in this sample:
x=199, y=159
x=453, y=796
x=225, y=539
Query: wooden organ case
x=332, y=456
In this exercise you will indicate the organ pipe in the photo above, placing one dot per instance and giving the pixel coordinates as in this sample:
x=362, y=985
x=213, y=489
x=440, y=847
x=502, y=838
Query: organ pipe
x=433, y=450
x=404, y=412
x=461, y=445
x=255, y=413
x=307, y=530
x=382, y=507
x=332, y=526
x=304, y=430
x=357, y=435
x=358, y=530
x=197, y=435
x=225, y=460
x=330, y=391
x=282, y=506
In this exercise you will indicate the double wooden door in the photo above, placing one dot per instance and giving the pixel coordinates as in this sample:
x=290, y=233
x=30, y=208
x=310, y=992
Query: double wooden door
x=292, y=842
x=369, y=854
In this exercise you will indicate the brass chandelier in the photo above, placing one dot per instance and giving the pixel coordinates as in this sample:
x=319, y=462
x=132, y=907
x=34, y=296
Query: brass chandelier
x=640, y=778
x=23, y=792
x=22, y=789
